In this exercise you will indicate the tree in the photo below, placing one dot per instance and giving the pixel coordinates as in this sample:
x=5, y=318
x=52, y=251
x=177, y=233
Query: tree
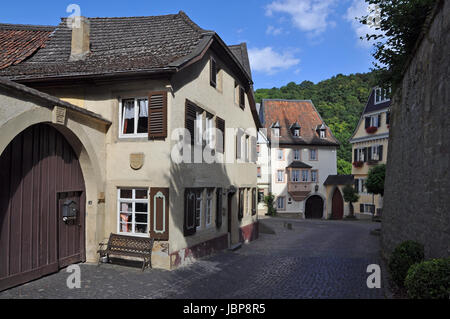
x=397, y=26
x=350, y=196
x=269, y=201
x=344, y=167
x=375, y=179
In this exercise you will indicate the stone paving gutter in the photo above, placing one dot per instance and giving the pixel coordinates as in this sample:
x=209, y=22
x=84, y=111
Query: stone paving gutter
x=314, y=259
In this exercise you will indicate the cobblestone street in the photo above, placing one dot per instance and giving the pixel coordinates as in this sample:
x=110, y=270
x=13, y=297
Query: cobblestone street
x=316, y=259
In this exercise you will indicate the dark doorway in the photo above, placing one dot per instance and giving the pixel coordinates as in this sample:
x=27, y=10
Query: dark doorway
x=39, y=170
x=337, y=206
x=314, y=207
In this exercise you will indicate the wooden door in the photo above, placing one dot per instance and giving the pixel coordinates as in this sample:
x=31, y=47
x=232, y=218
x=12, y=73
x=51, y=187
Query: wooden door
x=314, y=207
x=337, y=205
x=35, y=167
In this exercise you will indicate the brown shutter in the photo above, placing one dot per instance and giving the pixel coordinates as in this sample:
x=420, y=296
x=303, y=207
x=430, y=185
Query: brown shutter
x=190, y=115
x=159, y=213
x=213, y=69
x=189, y=212
x=241, y=204
x=219, y=206
x=220, y=125
x=241, y=97
x=157, y=115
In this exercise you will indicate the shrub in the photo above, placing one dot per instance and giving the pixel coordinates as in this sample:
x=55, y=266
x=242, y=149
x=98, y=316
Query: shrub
x=429, y=279
x=269, y=201
x=404, y=256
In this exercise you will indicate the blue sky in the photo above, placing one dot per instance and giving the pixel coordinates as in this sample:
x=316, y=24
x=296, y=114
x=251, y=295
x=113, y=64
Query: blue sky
x=288, y=40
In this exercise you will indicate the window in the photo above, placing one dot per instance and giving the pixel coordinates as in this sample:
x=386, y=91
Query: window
x=314, y=176
x=367, y=208
x=280, y=176
x=209, y=203
x=360, y=154
x=276, y=131
x=305, y=176
x=258, y=171
x=247, y=148
x=260, y=196
x=323, y=134
x=134, y=118
x=210, y=132
x=297, y=132
x=213, y=72
x=199, y=128
x=360, y=185
x=241, y=97
x=382, y=95
x=220, y=140
x=289, y=201
x=280, y=203
x=198, y=209
x=313, y=154
x=296, y=155
x=295, y=175
x=375, y=156
x=280, y=154
x=133, y=211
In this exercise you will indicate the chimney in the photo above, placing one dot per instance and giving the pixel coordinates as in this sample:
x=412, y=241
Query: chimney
x=80, y=39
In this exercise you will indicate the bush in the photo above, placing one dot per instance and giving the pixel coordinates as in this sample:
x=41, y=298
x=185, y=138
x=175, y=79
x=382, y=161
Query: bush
x=429, y=279
x=269, y=201
x=404, y=256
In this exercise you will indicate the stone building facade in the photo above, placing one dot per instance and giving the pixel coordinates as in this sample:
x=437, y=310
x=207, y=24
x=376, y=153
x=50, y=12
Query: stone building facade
x=417, y=201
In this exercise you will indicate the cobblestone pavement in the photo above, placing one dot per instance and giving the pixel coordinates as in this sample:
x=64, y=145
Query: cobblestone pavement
x=316, y=259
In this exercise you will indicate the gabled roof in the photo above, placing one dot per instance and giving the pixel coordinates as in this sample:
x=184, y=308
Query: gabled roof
x=48, y=100
x=18, y=42
x=240, y=51
x=339, y=180
x=371, y=106
x=302, y=112
x=299, y=164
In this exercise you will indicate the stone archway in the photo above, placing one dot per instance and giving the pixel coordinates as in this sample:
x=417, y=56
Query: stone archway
x=314, y=207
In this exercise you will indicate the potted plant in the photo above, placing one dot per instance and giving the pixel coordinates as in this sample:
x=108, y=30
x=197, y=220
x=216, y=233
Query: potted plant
x=371, y=129
x=358, y=164
x=269, y=201
x=350, y=196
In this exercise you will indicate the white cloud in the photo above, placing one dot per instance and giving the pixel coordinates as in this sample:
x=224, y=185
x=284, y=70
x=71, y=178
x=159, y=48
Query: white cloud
x=358, y=9
x=273, y=30
x=307, y=15
x=269, y=61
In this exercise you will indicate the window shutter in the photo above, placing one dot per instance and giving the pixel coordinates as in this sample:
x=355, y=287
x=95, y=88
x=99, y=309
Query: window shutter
x=254, y=202
x=388, y=117
x=355, y=155
x=367, y=122
x=220, y=125
x=213, y=69
x=241, y=97
x=357, y=185
x=365, y=154
x=189, y=213
x=190, y=116
x=157, y=115
x=253, y=149
x=241, y=204
x=380, y=152
x=219, y=207
x=379, y=120
x=239, y=144
x=369, y=157
x=159, y=213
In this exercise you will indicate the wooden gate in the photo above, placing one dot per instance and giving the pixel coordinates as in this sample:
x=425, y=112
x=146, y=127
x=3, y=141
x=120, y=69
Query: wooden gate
x=337, y=207
x=38, y=171
x=314, y=207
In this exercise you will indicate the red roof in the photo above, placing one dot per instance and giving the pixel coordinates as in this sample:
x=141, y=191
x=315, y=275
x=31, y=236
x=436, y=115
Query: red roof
x=289, y=112
x=18, y=42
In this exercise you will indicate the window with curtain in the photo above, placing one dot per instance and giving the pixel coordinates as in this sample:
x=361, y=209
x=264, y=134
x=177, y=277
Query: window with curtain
x=134, y=117
x=133, y=211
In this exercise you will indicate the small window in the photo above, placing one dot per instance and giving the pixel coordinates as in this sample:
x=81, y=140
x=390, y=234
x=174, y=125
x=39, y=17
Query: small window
x=213, y=72
x=314, y=176
x=296, y=155
x=258, y=172
x=323, y=134
x=133, y=211
x=382, y=95
x=280, y=155
x=305, y=176
x=280, y=176
x=134, y=118
x=295, y=175
x=260, y=196
x=241, y=97
x=313, y=154
x=297, y=132
x=276, y=132
x=280, y=203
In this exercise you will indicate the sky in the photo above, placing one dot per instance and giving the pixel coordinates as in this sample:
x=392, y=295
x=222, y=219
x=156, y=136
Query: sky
x=288, y=40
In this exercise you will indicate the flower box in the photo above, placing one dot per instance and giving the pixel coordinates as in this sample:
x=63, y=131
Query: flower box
x=358, y=164
x=371, y=129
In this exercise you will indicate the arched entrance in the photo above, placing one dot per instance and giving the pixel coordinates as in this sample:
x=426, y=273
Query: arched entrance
x=40, y=174
x=314, y=207
x=337, y=206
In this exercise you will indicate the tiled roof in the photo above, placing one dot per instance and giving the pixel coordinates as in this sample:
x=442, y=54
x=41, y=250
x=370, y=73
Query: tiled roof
x=241, y=53
x=339, y=180
x=48, y=99
x=288, y=112
x=299, y=164
x=18, y=42
x=117, y=45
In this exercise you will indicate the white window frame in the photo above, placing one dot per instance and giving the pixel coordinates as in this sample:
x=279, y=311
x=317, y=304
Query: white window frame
x=297, y=132
x=382, y=95
x=133, y=200
x=322, y=134
x=297, y=158
x=305, y=172
x=375, y=151
x=136, y=118
x=210, y=131
x=360, y=155
x=209, y=205
x=314, y=172
x=276, y=131
x=278, y=176
x=295, y=175
x=281, y=200
x=199, y=210
x=199, y=128
x=311, y=158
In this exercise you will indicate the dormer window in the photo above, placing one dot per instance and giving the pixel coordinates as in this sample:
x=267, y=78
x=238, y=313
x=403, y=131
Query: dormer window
x=382, y=95
x=276, y=129
x=323, y=134
x=295, y=130
x=322, y=131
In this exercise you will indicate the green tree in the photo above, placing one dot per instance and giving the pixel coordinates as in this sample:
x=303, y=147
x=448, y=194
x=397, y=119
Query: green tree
x=375, y=179
x=350, y=196
x=400, y=23
x=269, y=201
x=344, y=167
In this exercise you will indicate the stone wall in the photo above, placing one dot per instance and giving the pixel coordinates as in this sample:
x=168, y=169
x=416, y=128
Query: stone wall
x=417, y=193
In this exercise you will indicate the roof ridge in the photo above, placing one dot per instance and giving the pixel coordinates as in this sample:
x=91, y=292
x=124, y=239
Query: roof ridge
x=123, y=18
x=29, y=27
x=191, y=23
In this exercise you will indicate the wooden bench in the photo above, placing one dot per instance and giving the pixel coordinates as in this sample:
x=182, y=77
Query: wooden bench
x=128, y=246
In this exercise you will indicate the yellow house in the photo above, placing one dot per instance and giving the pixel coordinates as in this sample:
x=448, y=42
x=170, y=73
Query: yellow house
x=369, y=147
